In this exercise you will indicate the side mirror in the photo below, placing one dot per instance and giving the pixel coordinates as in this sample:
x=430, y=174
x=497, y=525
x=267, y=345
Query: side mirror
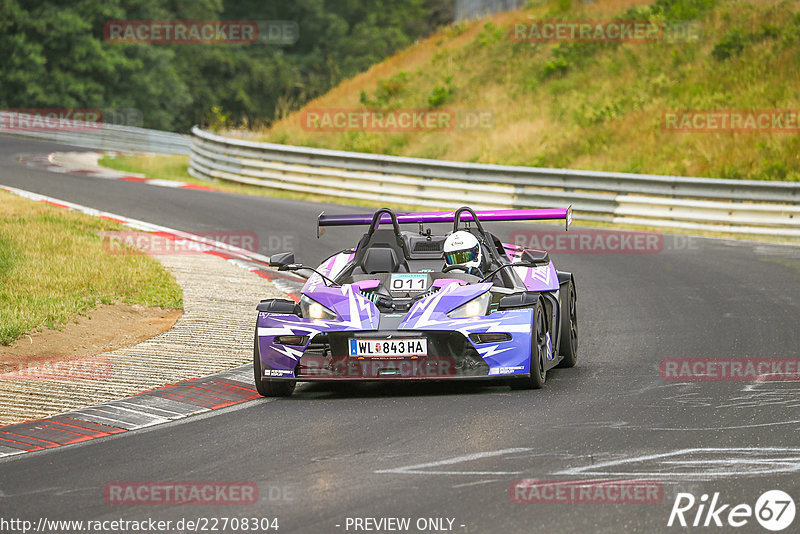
x=281, y=259
x=535, y=257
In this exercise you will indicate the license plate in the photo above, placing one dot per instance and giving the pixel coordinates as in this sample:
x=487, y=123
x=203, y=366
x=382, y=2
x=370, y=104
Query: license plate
x=408, y=282
x=391, y=348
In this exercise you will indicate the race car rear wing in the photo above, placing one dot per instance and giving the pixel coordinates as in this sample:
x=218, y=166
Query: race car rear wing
x=448, y=217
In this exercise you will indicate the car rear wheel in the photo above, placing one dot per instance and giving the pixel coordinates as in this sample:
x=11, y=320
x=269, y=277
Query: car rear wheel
x=267, y=387
x=569, y=328
x=537, y=375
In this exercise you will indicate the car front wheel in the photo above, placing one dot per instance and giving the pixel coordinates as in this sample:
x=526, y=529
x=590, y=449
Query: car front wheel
x=269, y=388
x=537, y=376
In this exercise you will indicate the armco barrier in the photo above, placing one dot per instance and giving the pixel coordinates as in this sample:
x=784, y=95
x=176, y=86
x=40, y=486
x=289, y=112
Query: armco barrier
x=111, y=137
x=735, y=206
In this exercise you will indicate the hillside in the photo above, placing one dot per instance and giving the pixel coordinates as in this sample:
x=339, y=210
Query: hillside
x=588, y=105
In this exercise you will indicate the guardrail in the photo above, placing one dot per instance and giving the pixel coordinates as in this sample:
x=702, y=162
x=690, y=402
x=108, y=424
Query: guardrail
x=728, y=206
x=103, y=136
x=465, y=9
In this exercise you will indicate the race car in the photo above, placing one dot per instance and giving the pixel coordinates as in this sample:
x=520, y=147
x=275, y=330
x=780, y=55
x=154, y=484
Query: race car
x=414, y=305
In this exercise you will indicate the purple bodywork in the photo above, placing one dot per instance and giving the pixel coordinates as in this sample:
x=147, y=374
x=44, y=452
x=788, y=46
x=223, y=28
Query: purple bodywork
x=358, y=315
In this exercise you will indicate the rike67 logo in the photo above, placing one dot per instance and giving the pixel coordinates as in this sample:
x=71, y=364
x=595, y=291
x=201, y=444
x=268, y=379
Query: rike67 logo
x=774, y=510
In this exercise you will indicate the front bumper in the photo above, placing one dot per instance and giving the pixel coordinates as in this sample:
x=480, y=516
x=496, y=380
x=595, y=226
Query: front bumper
x=326, y=357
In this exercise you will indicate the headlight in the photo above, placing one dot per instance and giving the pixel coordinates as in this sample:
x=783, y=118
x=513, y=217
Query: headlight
x=474, y=308
x=311, y=309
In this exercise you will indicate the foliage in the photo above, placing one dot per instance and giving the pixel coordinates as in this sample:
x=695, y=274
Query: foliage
x=440, y=95
x=385, y=92
x=55, y=56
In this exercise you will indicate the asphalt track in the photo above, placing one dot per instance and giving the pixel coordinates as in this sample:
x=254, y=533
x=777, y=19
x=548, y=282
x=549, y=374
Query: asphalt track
x=452, y=450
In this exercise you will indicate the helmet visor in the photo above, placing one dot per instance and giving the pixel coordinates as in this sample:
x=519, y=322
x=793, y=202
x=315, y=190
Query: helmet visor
x=462, y=256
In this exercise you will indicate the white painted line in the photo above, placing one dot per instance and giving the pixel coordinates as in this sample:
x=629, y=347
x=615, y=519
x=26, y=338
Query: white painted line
x=94, y=411
x=168, y=414
x=757, y=425
x=417, y=469
x=479, y=482
x=94, y=419
x=144, y=415
x=165, y=183
x=741, y=457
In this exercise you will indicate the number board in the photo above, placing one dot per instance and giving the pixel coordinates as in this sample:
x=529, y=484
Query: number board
x=408, y=282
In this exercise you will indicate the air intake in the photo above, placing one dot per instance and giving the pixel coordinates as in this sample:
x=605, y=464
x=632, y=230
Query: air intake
x=428, y=246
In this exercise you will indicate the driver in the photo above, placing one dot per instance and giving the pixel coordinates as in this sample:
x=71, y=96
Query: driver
x=463, y=248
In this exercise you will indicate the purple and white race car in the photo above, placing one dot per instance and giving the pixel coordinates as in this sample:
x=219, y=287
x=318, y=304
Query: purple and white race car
x=398, y=307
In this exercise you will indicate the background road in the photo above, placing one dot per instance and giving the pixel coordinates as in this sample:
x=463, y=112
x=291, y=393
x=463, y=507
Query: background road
x=326, y=454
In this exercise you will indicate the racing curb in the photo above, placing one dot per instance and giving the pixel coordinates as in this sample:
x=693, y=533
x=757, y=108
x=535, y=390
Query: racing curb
x=158, y=406
x=85, y=163
x=155, y=406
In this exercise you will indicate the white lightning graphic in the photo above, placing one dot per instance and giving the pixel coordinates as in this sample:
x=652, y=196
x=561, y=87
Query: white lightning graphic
x=542, y=273
x=354, y=305
x=293, y=328
x=510, y=328
x=288, y=351
x=431, y=305
x=480, y=325
x=491, y=350
x=279, y=331
x=366, y=305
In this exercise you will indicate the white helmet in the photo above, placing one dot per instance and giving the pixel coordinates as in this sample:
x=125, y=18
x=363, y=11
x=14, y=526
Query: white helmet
x=462, y=248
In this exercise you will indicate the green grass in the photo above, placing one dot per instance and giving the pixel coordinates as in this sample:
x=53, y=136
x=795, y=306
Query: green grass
x=166, y=167
x=589, y=106
x=53, y=266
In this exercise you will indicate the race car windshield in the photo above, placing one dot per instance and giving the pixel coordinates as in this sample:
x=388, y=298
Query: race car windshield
x=462, y=256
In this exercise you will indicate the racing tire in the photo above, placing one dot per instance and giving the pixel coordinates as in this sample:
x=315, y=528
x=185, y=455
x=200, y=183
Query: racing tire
x=537, y=375
x=269, y=388
x=568, y=347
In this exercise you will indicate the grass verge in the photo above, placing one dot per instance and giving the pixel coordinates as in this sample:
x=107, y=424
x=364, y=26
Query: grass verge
x=53, y=266
x=579, y=105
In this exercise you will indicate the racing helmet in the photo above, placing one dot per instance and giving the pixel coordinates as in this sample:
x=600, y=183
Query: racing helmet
x=462, y=248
